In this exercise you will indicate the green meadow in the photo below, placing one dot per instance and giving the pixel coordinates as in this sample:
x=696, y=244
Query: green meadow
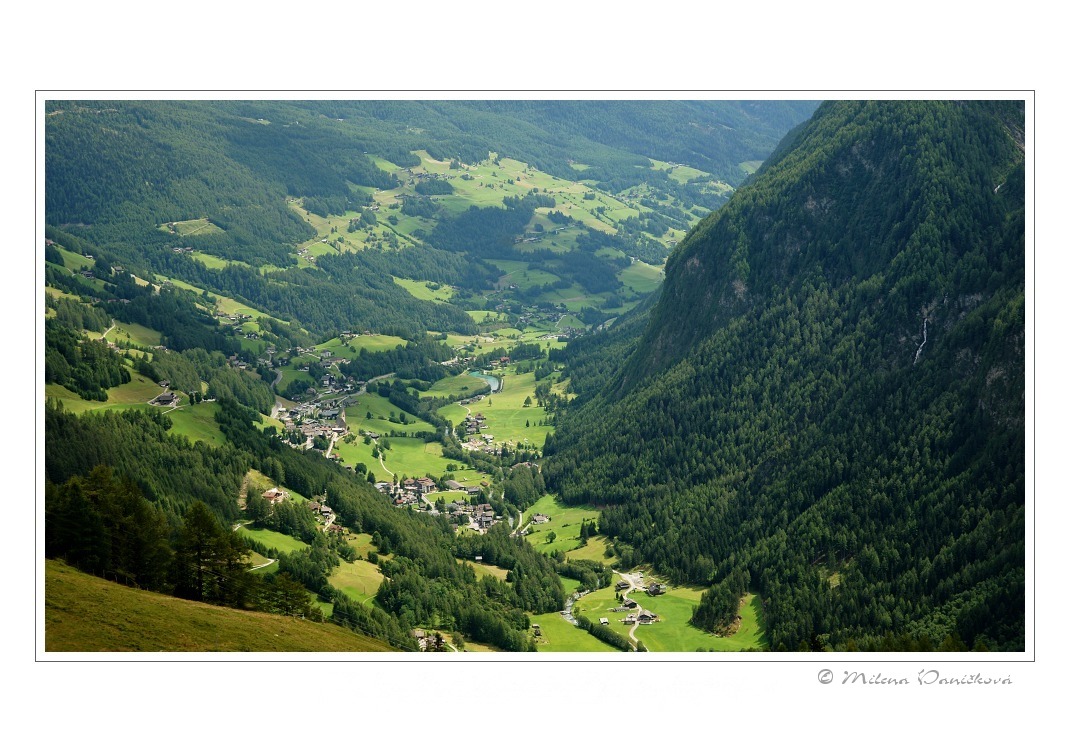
x=564, y=524
x=75, y=261
x=679, y=173
x=559, y=636
x=214, y=262
x=458, y=386
x=411, y=457
x=202, y=226
x=381, y=409
x=285, y=544
x=136, y=393
x=83, y=613
x=135, y=334
x=507, y=418
x=425, y=290
x=362, y=544
x=595, y=550
x=673, y=632
x=486, y=570
x=641, y=277
x=521, y=274
x=197, y=423
x=356, y=343
x=358, y=579
x=487, y=317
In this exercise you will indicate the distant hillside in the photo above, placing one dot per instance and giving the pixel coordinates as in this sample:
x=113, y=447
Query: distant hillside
x=87, y=614
x=223, y=195
x=827, y=404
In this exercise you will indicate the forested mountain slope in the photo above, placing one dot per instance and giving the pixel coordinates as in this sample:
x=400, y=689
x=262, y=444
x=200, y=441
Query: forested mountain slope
x=228, y=196
x=827, y=404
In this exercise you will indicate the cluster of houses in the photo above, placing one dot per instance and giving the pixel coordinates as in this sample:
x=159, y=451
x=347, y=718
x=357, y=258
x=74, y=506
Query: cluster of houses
x=412, y=493
x=480, y=516
x=326, y=512
x=654, y=588
x=429, y=641
x=474, y=424
x=409, y=491
x=317, y=419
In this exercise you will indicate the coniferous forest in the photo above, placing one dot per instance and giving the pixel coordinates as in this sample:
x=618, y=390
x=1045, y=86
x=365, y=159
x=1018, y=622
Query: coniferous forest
x=826, y=405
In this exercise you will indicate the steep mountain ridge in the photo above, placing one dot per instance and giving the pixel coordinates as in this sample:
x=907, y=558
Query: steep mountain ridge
x=827, y=404
x=867, y=189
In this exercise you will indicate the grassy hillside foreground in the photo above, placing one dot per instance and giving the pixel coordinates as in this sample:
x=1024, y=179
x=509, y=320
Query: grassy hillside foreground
x=87, y=614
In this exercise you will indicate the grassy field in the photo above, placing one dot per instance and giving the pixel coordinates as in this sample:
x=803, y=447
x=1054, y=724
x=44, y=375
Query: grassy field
x=487, y=317
x=673, y=632
x=641, y=277
x=223, y=304
x=136, y=334
x=564, y=523
x=362, y=543
x=679, y=173
x=558, y=636
x=137, y=392
x=214, y=262
x=197, y=423
x=75, y=261
x=284, y=544
x=521, y=274
x=411, y=457
x=359, y=579
x=414, y=458
x=369, y=342
x=89, y=614
x=595, y=550
x=454, y=386
x=202, y=226
x=55, y=292
x=484, y=570
x=507, y=418
x=380, y=407
x=424, y=290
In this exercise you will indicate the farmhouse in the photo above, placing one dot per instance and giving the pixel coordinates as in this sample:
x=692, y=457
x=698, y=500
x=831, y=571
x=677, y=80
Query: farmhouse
x=274, y=494
x=646, y=617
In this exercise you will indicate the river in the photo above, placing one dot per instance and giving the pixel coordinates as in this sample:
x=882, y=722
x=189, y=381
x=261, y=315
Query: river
x=495, y=384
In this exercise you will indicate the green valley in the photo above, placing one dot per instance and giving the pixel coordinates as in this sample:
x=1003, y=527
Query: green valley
x=551, y=376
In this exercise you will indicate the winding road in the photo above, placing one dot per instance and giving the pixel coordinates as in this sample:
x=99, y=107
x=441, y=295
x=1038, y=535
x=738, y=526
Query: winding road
x=635, y=582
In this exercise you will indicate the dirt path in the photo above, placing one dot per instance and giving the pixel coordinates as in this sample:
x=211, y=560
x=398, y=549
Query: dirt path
x=635, y=582
x=241, y=494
